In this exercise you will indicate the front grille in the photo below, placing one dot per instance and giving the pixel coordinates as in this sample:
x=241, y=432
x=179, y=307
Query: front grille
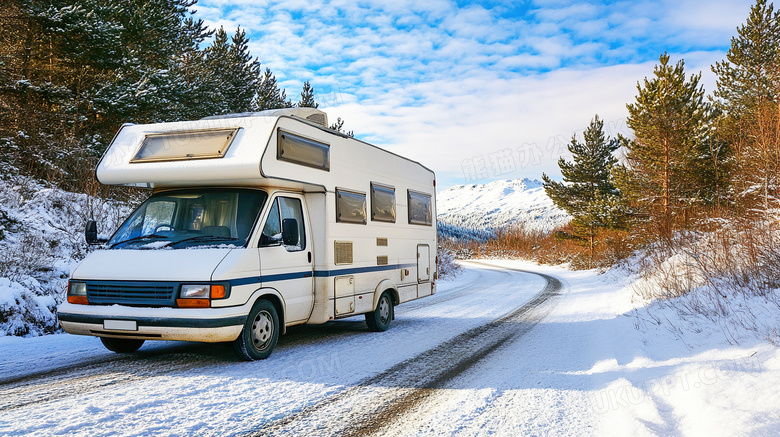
x=131, y=293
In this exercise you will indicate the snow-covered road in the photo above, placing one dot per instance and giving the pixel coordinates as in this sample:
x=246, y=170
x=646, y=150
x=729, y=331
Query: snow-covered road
x=496, y=351
x=333, y=378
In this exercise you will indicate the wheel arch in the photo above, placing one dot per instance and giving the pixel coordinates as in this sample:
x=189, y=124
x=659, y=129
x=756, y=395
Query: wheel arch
x=386, y=285
x=276, y=300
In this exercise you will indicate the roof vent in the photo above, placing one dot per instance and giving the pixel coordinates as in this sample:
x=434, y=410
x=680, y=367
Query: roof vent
x=319, y=118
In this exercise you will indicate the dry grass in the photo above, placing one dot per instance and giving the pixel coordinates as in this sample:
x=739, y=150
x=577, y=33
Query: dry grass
x=728, y=273
x=517, y=241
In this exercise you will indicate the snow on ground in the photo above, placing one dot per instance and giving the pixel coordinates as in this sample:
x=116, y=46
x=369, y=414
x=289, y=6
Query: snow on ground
x=499, y=203
x=598, y=366
x=599, y=363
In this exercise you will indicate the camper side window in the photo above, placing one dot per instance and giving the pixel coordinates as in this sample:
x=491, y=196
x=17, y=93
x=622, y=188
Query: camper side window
x=350, y=207
x=382, y=203
x=303, y=151
x=420, y=209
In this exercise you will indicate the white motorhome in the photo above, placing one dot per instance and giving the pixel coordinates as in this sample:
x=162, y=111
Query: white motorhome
x=257, y=222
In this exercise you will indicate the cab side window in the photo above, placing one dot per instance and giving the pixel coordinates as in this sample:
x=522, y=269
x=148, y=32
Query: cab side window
x=272, y=229
x=284, y=225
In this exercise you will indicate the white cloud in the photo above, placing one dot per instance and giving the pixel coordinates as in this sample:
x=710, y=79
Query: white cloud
x=444, y=84
x=473, y=118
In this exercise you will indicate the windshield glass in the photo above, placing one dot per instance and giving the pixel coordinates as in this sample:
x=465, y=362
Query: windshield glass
x=187, y=218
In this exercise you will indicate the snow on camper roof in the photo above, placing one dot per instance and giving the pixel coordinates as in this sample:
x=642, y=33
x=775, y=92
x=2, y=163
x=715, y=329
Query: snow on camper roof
x=219, y=150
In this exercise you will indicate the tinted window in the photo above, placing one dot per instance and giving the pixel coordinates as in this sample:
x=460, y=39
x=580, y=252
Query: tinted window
x=303, y=151
x=350, y=207
x=382, y=203
x=420, y=208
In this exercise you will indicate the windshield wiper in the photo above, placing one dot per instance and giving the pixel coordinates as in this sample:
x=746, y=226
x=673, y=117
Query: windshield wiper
x=203, y=238
x=138, y=238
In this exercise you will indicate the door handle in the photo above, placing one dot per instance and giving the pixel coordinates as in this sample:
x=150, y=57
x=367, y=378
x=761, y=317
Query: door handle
x=309, y=257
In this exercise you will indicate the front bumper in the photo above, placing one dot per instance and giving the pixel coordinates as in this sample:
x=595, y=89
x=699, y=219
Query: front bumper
x=188, y=324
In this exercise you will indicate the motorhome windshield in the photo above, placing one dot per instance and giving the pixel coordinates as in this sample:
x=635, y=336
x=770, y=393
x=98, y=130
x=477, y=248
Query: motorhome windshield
x=187, y=218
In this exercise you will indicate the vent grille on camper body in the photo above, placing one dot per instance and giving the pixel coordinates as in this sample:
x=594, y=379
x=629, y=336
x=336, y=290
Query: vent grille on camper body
x=131, y=293
x=342, y=251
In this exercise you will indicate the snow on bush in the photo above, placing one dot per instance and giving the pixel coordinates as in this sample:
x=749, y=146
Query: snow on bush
x=447, y=267
x=41, y=242
x=728, y=276
x=24, y=313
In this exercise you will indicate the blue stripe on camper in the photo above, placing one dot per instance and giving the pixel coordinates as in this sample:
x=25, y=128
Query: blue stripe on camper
x=353, y=270
x=317, y=273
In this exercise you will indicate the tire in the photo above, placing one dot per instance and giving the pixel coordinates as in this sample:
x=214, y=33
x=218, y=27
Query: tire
x=121, y=345
x=379, y=319
x=260, y=334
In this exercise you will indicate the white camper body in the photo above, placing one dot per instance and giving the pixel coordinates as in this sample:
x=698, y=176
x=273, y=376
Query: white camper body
x=257, y=222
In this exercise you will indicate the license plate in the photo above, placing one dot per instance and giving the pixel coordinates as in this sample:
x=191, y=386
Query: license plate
x=120, y=325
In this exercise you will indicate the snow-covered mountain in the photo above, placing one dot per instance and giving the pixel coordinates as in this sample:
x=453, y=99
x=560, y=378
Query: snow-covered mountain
x=499, y=203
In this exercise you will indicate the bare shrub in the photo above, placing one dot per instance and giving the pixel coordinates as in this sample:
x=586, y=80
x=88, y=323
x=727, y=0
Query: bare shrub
x=32, y=254
x=727, y=274
x=445, y=263
x=519, y=241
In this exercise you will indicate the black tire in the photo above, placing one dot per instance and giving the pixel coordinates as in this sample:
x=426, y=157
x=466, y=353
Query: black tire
x=260, y=334
x=122, y=345
x=379, y=319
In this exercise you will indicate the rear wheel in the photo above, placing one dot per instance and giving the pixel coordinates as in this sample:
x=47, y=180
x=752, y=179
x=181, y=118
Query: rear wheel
x=379, y=319
x=121, y=345
x=260, y=334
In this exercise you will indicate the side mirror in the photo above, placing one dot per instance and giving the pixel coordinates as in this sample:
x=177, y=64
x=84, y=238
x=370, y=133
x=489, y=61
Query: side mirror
x=290, y=232
x=91, y=234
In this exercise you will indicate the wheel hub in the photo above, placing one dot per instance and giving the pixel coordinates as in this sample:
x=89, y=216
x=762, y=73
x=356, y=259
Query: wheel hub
x=262, y=330
x=384, y=310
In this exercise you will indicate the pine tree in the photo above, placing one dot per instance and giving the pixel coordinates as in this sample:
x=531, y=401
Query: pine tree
x=307, y=97
x=338, y=126
x=268, y=95
x=54, y=55
x=671, y=124
x=748, y=88
x=230, y=73
x=749, y=75
x=72, y=72
x=587, y=192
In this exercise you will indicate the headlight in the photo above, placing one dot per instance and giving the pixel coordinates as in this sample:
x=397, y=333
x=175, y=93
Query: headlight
x=200, y=295
x=77, y=289
x=77, y=293
x=195, y=291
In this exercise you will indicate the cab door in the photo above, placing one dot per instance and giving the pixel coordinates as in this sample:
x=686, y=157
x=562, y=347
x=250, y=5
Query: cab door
x=286, y=256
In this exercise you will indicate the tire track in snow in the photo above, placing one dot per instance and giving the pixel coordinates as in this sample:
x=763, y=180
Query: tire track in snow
x=84, y=376
x=381, y=400
x=90, y=376
x=456, y=293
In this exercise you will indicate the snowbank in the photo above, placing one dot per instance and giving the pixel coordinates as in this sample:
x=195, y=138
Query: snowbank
x=41, y=241
x=24, y=313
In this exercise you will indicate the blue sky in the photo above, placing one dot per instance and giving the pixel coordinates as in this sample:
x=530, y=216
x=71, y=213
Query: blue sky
x=477, y=91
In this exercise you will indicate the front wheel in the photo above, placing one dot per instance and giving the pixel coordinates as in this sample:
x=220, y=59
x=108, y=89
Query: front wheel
x=260, y=333
x=121, y=345
x=379, y=319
